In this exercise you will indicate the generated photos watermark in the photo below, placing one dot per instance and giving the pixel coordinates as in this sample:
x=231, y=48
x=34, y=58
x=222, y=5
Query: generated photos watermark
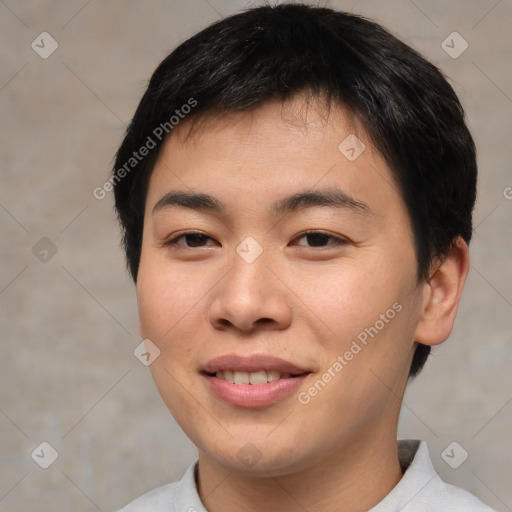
x=158, y=133
x=355, y=348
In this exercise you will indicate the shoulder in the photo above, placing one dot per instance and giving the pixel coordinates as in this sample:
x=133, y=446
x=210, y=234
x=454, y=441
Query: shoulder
x=421, y=489
x=181, y=496
x=157, y=500
x=438, y=496
x=454, y=498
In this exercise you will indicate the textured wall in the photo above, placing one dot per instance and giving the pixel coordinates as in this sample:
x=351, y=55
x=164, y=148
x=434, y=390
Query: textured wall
x=67, y=308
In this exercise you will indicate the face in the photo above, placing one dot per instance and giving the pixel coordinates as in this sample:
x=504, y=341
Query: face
x=297, y=274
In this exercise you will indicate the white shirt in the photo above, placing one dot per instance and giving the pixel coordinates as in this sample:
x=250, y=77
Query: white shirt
x=419, y=490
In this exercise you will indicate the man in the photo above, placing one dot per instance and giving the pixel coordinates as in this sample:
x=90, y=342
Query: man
x=296, y=191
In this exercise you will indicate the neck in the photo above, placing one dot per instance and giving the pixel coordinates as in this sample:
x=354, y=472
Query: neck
x=358, y=477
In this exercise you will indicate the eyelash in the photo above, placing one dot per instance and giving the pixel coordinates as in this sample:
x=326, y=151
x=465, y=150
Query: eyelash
x=172, y=243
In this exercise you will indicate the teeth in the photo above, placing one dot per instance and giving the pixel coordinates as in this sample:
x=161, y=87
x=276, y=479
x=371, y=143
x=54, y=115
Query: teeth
x=254, y=378
x=257, y=378
x=273, y=376
x=241, y=377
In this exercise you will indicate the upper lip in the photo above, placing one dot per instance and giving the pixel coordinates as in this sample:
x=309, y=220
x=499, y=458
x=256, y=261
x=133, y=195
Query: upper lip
x=252, y=363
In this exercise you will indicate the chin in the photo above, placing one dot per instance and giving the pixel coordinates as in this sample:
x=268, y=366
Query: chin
x=262, y=458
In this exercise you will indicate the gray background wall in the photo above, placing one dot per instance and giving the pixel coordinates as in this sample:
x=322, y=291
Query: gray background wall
x=69, y=319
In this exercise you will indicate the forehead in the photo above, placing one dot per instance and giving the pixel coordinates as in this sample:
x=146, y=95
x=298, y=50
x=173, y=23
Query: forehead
x=273, y=151
x=301, y=114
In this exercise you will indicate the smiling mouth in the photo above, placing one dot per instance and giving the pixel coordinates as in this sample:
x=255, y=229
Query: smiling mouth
x=257, y=378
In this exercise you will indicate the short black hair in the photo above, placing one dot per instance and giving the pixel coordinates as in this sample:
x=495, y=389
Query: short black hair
x=272, y=53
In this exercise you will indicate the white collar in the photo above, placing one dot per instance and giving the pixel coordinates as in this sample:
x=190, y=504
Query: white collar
x=419, y=490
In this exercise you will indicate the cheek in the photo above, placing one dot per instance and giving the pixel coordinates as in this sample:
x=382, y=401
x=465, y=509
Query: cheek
x=168, y=302
x=366, y=314
x=346, y=299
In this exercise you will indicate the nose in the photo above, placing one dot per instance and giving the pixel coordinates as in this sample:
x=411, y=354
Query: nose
x=251, y=296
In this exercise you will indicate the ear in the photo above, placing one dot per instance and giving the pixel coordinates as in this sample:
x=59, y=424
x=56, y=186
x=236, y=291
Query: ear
x=441, y=296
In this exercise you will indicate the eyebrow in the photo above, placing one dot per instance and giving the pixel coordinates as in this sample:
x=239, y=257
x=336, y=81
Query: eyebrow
x=330, y=197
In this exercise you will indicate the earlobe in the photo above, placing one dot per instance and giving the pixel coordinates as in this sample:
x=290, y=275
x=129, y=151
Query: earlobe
x=442, y=295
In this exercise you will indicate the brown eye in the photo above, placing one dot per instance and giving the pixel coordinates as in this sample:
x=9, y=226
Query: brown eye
x=321, y=239
x=192, y=239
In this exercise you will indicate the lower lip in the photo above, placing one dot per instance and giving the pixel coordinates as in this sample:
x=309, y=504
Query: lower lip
x=248, y=395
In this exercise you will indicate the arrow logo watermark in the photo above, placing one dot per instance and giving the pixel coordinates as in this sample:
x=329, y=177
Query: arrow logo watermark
x=249, y=455
x=44, y=455
x=454, y=45
x=146, y=352
x=249, y=249
x=454, y=455
x=44, y=45
x=352, y=147
x=44, y=250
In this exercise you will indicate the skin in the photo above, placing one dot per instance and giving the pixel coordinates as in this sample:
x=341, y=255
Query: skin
x=300, y=300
